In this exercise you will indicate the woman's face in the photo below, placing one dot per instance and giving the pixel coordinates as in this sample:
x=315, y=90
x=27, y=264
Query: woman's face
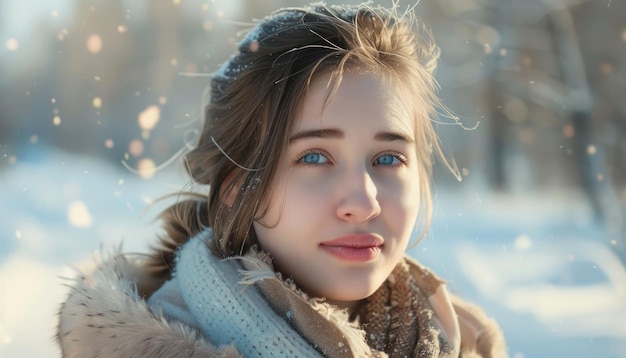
x=346, y=197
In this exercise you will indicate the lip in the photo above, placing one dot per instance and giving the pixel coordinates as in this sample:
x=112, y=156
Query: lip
x=354, y=247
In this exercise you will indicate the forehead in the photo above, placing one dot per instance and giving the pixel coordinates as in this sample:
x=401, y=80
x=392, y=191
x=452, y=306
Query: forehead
x=373, y=98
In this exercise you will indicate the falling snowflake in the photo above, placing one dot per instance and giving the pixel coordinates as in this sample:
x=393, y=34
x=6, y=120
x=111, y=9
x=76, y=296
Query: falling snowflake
x=146, y=168
x=135, y=148
x=97, y=102
x=149, y=118
x=94, y=44
x=78, y=215
x=12, y=44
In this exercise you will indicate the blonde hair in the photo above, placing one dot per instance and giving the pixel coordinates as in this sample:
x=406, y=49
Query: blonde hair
x=255, y=96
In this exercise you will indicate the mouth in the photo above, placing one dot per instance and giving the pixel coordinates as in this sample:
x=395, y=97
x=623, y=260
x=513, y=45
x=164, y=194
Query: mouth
x=354, y=247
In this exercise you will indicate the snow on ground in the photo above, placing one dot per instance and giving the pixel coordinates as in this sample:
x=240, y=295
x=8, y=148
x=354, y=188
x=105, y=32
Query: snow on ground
x=57, y=211
x=537, y=263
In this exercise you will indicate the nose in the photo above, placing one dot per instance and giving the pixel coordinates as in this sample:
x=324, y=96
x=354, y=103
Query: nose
x=358, y=199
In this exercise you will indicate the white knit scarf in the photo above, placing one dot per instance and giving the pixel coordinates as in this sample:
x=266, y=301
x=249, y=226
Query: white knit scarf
x=244, y=301
x=228, y=312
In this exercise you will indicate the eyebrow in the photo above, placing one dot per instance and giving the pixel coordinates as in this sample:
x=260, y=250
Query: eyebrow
x=393, y=137
x=317, y=133
x=332, y=133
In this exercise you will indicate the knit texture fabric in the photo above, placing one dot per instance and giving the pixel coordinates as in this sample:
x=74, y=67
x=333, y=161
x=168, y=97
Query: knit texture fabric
x=399, y=322
x=225, y=308
x=229, y=312
x=244, y=301
x=396, y=321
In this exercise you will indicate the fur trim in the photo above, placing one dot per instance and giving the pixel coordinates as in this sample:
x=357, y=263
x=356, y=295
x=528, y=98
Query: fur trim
x=104, y=316
x=480, y=335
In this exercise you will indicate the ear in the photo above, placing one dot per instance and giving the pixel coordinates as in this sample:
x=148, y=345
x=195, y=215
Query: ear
x=229, y=190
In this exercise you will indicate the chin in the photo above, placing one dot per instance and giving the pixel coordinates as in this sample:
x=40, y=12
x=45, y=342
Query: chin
x=352, y=294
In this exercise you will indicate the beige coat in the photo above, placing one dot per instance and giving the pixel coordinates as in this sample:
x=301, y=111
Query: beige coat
x=106, y=315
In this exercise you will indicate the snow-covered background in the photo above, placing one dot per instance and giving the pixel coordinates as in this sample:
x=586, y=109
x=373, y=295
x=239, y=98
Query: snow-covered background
x=86, y=85
x=537, y=263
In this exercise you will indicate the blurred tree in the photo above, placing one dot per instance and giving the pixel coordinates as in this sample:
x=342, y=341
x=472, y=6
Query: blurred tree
x=601, y=30
x=95, y=52
x=542, y=84
x=544, y=77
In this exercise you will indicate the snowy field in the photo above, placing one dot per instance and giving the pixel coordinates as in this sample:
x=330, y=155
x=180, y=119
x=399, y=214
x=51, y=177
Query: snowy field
x=536, y=262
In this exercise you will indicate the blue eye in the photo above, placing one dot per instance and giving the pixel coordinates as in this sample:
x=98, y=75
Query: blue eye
x=387, y=159
x=313, y=158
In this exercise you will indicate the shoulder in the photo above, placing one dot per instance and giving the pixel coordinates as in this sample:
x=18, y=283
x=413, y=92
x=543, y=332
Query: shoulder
x=481, y=335
x=461, y=321
x=104, y=315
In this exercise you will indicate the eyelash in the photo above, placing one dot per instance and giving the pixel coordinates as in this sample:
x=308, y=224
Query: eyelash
x=403, y=160
x=313, y=151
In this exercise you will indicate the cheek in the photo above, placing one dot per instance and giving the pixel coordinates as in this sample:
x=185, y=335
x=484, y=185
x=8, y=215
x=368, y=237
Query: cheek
x=412, y=195
x=274, y=204
x=401, y=200
x=302, y=201
x=404, y=188
x=289, y=199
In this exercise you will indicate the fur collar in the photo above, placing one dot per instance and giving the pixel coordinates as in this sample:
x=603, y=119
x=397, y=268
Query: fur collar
x=104, y=316
x=107, y=315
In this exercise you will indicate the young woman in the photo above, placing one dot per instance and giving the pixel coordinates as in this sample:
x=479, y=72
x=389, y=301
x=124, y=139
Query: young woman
x=316, y=153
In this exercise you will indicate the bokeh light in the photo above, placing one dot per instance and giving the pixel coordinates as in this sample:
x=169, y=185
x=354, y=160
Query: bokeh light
x=135, y=147
x=12, y=44
x=146, y=168
x=78, y=215
x=97, y=102
x=94, y=43
x=149, y=118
